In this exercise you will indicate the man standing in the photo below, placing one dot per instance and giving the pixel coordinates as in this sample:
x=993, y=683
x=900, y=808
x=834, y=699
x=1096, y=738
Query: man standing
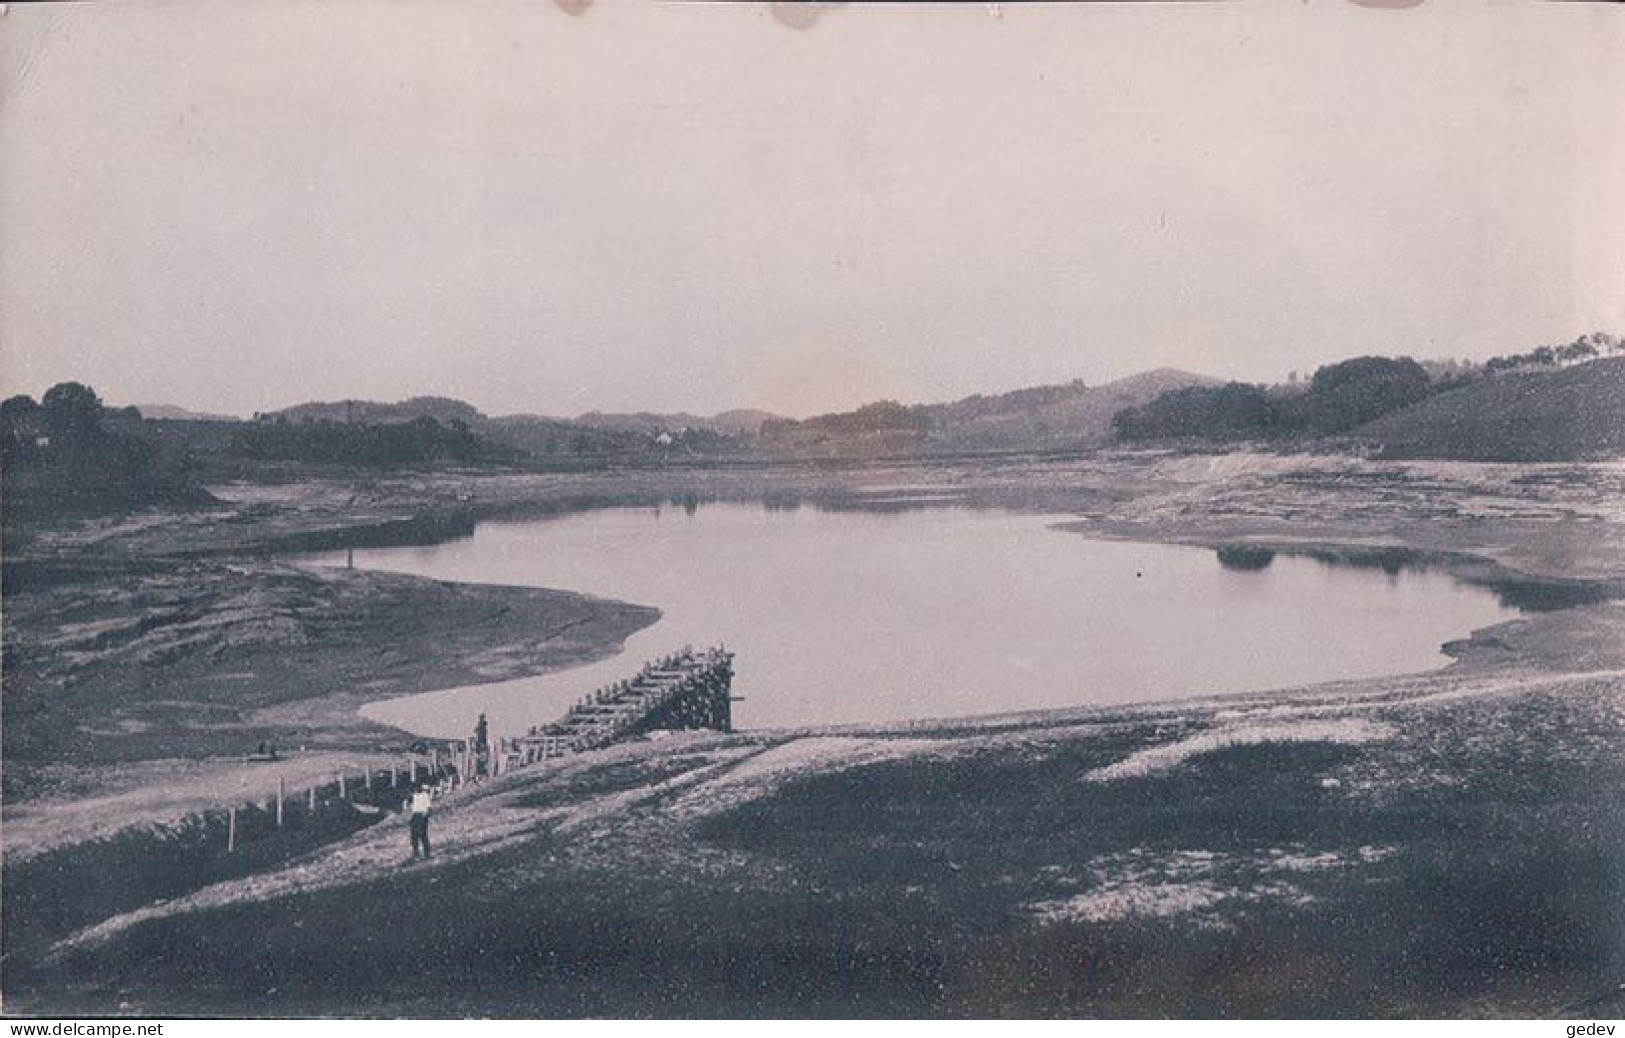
x=422, y=800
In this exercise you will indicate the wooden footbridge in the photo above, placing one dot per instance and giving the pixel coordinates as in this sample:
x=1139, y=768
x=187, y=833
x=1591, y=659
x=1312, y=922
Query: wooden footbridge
x=687, y=689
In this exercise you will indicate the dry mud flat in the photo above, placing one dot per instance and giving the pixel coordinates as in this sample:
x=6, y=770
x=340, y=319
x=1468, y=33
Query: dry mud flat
x=1446, y=844
x=199, y=658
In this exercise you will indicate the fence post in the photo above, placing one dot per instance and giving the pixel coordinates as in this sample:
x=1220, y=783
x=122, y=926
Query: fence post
x=281, y=797
x=393, y=767
x=344, y=793
x=312, y=799
x=231, y=831
x=369, y=778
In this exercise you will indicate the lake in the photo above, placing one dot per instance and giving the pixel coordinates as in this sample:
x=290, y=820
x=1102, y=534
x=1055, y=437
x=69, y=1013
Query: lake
x=853, y=616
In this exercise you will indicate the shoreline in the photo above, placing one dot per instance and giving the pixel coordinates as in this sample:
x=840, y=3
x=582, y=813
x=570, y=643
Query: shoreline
x=1520, y=589
x=1515, y=590
x=1136, y=509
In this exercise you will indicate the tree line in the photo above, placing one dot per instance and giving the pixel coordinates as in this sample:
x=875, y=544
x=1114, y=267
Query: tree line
x=1338, y=398
x=67, y=452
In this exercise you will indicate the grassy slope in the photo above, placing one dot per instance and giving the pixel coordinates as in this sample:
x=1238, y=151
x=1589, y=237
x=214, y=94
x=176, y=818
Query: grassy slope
x=1084, y=418
x=1557, y=416
x=1076, y=416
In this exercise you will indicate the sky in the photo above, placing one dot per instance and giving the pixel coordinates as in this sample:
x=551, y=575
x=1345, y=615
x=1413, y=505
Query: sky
x=556, y=207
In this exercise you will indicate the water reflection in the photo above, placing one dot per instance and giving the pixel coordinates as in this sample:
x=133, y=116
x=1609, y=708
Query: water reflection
x=1515, y=591
x=1245, y=558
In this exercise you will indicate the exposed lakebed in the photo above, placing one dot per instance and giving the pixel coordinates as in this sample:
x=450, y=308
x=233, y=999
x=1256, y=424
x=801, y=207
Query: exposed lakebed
x=884, y=616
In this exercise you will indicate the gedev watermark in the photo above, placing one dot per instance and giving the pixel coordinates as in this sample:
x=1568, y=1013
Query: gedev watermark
x=1575, y=1030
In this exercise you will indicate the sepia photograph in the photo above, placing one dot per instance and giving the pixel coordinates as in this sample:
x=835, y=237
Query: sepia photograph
x=667, y=510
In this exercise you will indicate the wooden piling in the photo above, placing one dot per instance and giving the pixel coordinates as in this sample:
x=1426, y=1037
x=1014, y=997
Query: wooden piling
x=686, y=689
x=369, y=778
x=343, y=790
x=281, y=799
x=231, y=831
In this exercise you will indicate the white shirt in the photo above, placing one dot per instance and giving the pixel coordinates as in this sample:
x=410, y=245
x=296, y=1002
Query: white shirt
x=421, y=801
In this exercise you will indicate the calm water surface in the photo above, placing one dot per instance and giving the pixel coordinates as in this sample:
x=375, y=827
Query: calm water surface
x=861, y=617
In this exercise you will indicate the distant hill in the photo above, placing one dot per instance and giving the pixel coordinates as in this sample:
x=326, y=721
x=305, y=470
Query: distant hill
x=171, y=413
x=740, y=421
x=1080, y=417
x=1563, y=415
x=442, y=409
x=592, y=436
x=728, y=423
x=1064, y=415
x=595, y=434
x=557, y=437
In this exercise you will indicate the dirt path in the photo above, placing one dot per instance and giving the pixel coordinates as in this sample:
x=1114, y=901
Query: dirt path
x=106, y=800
